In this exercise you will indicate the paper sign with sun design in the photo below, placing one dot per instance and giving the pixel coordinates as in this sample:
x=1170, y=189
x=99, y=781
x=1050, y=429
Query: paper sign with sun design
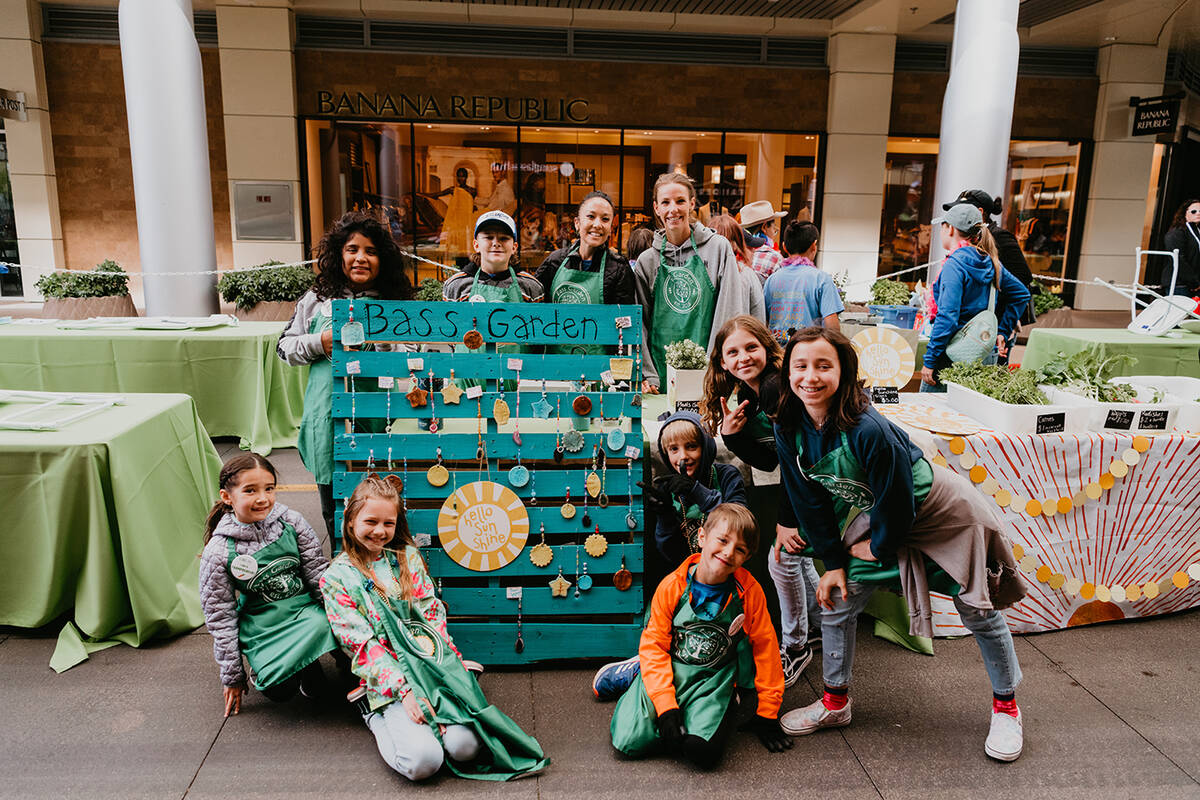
x=483, y=526
x=884, y=357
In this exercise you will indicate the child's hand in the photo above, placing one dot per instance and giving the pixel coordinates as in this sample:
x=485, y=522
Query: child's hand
x=769, y=733
x=733, y=421
x=670, y=727
x=788, y=539
x=656, y=499
x=413, y=707
x=649, y=388
x=233, y=699
x=832, y=579
x=862, y=551
x=327, y=341
x=679, y=484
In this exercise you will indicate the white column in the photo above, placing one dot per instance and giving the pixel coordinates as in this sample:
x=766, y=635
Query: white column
x=1120, y=180
x=168, y=146
x=860, y=102
x=258, y=94
x=978, y=105
x=30, y=155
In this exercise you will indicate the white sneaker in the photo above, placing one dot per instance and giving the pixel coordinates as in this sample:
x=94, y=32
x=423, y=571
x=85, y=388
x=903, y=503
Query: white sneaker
x=801, y=721
x=1005, y=738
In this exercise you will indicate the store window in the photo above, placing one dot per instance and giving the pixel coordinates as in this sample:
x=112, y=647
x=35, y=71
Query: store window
x=10, y=281
x=1037, y=206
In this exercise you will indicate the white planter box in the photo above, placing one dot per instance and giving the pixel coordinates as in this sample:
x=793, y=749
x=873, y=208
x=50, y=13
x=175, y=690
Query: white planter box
x=1146, y=418
x=1180, y=389
x=1017, y=419
x=685, y=387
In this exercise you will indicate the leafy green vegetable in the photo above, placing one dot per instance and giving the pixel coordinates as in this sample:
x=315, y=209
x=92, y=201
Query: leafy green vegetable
x=1019, y=387
x=886, y=292
x=1086, y=373
x=106, y=280
x=247, y=288
x=686, y=355
x=1043, y=299
x=430, y=291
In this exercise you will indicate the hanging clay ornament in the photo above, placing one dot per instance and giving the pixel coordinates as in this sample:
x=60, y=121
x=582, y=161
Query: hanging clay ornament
x=587, y=518
x=437, y=475
x=631, y=521
x=568, y=508
x=517, y=438
x=595, y=545
x=451, y=393
x=518, y=476
x=541, y=554
x=573, y=441
x=541, y=408
x=473, y=339
x=615, y=440
x=581, y=405
x=352, y=333
x=636, y=400
x=559, y=586
x=623, y=578
x=501, y=412
x=417, y=397
x=584, y=581
x=592, y=484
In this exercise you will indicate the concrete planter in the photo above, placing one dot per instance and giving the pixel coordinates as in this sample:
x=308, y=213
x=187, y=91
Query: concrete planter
x=88, y=307
x=268, y=311
x=685, y=387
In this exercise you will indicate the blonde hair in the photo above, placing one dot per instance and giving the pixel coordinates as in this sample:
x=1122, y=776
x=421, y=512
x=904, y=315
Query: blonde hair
x=680, y=431
x=981, y=238
x=682, y=180
x=387, y=488
x=718, y=383
x=736, y=519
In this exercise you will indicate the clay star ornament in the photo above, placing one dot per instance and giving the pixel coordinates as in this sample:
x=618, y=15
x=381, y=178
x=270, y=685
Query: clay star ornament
x=417, y=397
x=541, y=408
x=559, y=586
x=451, y=394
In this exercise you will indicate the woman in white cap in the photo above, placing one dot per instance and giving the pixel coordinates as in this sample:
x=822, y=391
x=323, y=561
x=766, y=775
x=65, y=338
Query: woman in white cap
x=971, y=280
x=761, y=223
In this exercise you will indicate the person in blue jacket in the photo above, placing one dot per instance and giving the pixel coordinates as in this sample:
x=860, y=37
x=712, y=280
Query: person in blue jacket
x=971, y=271
x=694, y=486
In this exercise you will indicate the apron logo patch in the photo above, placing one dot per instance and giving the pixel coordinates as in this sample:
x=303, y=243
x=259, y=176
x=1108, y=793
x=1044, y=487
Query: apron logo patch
x=852, y=492
x=278, y=580
x=699, y=644
x=426, y=641
x=572, y=293
x=681, y=290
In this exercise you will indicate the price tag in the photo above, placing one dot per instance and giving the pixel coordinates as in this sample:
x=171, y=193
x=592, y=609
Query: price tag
x=513, y=592
x=885, y=395
x=353, y=368
x=474, y=392
x=607, y=377
x=1153, y=420
x=386, y=383
x=423, y=539
x=1118, y=420
x=624, y=322
x=1051, y=423
x=515, y=364
x=633, y=452
x=416, y=364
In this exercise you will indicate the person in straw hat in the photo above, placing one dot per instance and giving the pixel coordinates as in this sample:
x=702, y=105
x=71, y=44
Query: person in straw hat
x=760, y=221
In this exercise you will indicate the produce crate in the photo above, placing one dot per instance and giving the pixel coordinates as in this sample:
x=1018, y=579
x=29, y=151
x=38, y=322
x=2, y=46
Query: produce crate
x=1179, y=389
x=479, y=549
x=1017, y=419
x=1146, y=418
x=900, y=316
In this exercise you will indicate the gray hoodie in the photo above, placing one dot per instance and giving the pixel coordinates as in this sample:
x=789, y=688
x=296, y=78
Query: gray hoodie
x=217, y=596
x=733, y=294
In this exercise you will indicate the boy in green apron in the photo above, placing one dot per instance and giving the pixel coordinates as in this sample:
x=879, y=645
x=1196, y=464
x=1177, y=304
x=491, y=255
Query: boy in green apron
x=708, y=638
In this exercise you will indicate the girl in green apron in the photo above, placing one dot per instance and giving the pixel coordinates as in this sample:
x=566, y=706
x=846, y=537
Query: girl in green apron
x=424, y=707
x=357, y=257
x=259, y=575
x=587, y=271
x=708, y=638
x=840, y=460
x=687, y=282
x=741, y=393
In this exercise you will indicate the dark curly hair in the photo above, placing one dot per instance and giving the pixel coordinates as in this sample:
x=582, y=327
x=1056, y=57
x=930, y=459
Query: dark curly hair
x=1181, y=214
x=392, y=283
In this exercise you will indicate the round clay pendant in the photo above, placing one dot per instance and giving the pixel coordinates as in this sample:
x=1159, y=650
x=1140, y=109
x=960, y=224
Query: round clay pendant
x=500, y=412
x=616, y=440
x=437, y=475
x=573, y=441
x=518, y=476
x=623, y=580
x=603, y=501
x=581, y=405
x=592, y=484
x=517, y=438
x=473, y=339
x=567, y=511
x=541, y=555
x=595, y=545
x=584, y=582
x=631, y=521
x=244, y=567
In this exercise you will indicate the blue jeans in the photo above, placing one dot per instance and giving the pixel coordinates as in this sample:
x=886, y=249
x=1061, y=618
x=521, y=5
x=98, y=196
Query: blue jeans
x=991, y=632
x=796, y=582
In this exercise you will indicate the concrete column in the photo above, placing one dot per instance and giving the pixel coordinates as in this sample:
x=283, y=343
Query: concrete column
x=860, y=102
x=258, y=94
x=30, y=155
x=1120, y=180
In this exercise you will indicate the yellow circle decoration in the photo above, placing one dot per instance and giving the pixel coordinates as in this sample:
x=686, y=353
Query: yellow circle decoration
x=1093, y=490
x=1028, y=564
x=489, y=529
x=940, y=460
x=1064, y=505
x=1193, y=571
x=1078, y=499
x=1018, y=552
x=967, y=460
x=1043, y=573
x=1132, y=592
x=978, y=473
x=1072, y=586
x=1003, y=498
x=1180, y=579
x=1131, y=456
x=1088, y=590
x=1141, y=443
x=1103, y=594
x=1057, y=580
x=1033, y=508
x=1118, y=594
x=958, y=445
x=1107, y=481
x=990, y=485
x=885, y=358
x=1150, y=590
x=1049, y=507
x=1119, y=469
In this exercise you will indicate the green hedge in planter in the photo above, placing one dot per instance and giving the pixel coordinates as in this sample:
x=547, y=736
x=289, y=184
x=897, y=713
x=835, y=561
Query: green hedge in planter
x=247, y=288
x=106, y=280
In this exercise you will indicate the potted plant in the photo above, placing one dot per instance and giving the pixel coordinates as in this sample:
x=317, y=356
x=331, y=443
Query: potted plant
x=266, y=295
x=686, y=363
x=429, y=291
x=889, y=299
x=80, y=294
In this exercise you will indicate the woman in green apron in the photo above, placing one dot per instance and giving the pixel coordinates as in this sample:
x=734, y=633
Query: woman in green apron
x=357, y=257
x=423, y=706
x=841, y=459
x=588, y=271
x=259, y=575
x=686, y=283
x=741, y=394
x=708, y=635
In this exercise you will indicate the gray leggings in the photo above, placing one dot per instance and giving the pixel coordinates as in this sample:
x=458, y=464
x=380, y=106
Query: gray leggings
x=411, y=749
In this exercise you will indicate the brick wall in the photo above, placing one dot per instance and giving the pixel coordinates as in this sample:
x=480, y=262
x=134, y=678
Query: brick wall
x=90, y=133
x=1044, y=108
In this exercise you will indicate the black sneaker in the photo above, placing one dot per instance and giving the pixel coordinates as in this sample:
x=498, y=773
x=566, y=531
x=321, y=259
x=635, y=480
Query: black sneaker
x=794, y=662
x=358, y=696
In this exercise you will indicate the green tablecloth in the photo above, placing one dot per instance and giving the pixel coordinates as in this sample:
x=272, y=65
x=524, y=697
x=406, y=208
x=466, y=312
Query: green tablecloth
x=240, y=386
x=1156, y=355
x=103, y=520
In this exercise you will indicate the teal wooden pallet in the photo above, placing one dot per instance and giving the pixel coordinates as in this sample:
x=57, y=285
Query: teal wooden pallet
x=600, y=622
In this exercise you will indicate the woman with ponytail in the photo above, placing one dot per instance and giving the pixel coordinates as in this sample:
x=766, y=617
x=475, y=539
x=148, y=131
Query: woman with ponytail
x=259, y=577
x=971, y=280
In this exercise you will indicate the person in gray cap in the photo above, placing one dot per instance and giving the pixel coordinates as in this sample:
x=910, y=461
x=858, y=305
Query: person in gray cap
x=1012, y=258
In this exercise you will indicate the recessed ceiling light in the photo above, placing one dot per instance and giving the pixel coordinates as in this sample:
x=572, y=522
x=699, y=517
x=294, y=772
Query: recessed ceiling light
x=648, y=133
x=1110, y=38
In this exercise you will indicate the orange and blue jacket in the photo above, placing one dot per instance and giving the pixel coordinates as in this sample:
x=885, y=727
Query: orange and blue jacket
x=654, y=652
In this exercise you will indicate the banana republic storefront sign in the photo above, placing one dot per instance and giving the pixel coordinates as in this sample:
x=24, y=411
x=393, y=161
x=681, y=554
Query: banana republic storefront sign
x=471, y=107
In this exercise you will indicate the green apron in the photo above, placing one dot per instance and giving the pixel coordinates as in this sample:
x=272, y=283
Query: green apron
x=315, y=440
x=578, y=286
x=492, y=294
x=707, y=661
x=762, y=429
x=281, y=627
x=684, y=300
x=435, y=672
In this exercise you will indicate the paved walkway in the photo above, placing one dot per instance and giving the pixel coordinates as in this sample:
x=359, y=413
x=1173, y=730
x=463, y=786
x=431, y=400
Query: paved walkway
x=1110, y=711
